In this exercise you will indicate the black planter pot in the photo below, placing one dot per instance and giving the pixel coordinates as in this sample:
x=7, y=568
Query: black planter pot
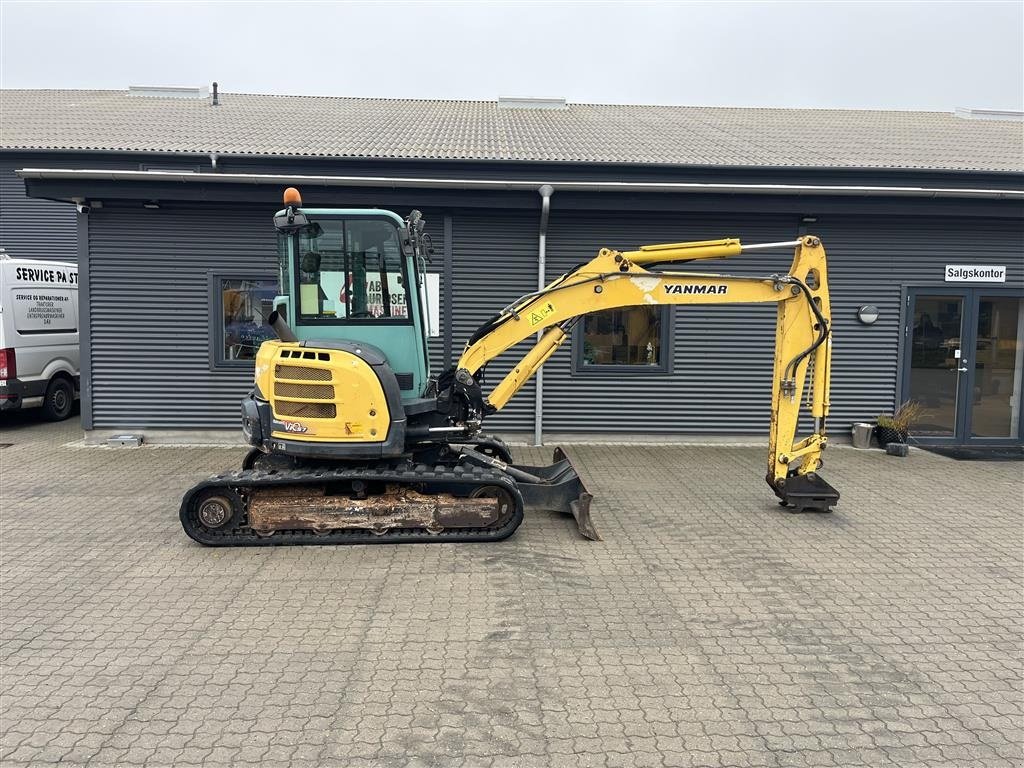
x=888, y=435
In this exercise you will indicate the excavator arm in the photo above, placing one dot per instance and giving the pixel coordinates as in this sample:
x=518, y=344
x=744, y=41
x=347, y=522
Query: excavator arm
x=616, y=279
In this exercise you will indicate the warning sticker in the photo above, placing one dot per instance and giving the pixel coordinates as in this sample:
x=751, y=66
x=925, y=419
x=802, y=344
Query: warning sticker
x=537, y=316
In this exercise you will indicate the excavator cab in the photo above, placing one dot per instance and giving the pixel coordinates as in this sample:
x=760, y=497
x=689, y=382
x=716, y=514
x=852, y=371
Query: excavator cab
x=358, y=276
x=350, y=362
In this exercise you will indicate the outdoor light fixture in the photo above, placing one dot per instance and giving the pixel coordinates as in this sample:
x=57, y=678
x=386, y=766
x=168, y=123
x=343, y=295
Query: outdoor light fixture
x=151, y=204
x=808, y=219
x=867, y=314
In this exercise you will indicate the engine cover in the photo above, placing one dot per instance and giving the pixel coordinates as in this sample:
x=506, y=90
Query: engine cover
x=329, y=396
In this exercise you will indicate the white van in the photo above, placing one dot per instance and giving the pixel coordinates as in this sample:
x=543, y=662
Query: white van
x=38, y=335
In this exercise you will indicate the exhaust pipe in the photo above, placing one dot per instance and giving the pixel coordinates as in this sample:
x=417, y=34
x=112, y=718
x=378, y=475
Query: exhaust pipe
x=281, y=328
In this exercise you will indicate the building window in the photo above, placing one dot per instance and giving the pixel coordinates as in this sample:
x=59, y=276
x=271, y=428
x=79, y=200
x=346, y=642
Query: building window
x=240, y=305
x=624, y=340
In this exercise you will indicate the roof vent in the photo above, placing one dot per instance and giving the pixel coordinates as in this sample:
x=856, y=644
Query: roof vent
x=530, y=102
x=170, y=91
x=966, y=113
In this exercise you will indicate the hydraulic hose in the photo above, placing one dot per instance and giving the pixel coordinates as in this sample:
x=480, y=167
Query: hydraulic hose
x=823, y=327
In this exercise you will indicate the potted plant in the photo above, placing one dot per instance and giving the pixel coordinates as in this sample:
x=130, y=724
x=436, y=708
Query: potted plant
x=895, y=427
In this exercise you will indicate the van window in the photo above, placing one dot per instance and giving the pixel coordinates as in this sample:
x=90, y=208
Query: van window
x=44, y=310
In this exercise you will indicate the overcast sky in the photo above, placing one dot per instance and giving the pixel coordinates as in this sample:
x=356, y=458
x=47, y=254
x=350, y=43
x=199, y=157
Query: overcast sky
x=889, y=55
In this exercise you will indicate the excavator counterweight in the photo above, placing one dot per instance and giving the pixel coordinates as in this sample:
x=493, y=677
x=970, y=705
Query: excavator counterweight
x=354, y=440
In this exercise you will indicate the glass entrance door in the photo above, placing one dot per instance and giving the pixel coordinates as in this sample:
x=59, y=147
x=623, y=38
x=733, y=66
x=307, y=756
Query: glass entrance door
x=935, y=357
x=995, y=402
x=964, y=361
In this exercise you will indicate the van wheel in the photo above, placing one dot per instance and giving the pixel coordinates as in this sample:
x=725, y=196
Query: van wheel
x=60, y=397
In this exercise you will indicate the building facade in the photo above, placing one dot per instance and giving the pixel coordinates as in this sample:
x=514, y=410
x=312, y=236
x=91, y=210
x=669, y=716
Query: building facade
x=177, y=258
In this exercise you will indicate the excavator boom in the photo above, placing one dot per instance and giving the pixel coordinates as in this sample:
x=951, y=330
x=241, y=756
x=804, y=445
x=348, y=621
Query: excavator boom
x=616, y=279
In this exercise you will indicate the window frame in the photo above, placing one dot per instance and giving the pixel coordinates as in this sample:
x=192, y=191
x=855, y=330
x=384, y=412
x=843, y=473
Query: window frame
x=215, y=297
x=663, y=368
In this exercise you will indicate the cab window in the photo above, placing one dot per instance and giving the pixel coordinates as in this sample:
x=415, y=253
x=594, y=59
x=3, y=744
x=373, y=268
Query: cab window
x=350, y=270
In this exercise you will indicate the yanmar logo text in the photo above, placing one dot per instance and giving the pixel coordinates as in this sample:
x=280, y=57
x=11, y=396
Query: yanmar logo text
x=683, y=288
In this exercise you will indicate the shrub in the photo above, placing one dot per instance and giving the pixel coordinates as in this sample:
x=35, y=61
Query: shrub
x=902, y=419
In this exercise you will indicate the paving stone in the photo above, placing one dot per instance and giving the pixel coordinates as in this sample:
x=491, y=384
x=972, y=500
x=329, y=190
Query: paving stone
x=709, y=628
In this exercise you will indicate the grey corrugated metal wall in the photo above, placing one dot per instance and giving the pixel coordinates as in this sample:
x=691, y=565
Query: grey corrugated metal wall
x=149, y=274
x=871, y=260
x=151, y=322
x=31, y=228
x=148, y=297
x=494, y=262
x=721, y=380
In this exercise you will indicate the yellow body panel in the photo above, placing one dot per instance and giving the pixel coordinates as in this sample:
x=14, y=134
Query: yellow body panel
x=321, y=395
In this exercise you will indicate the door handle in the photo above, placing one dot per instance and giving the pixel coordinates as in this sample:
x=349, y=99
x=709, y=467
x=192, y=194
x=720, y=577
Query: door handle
x=962, y=370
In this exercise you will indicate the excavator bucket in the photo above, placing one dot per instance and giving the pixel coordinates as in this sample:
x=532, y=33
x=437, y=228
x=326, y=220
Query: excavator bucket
x=805, y=493
x=560, y=489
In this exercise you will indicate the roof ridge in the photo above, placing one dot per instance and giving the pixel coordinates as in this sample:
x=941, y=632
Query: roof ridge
x=415, y=100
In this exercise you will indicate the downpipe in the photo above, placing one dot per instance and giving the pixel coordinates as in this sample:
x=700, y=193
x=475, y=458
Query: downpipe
x=545, y=211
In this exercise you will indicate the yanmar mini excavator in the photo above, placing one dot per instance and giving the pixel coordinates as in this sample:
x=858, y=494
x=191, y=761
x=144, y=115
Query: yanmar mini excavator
x=353, y=440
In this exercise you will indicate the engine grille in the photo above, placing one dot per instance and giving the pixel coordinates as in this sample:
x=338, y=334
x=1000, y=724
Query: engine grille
x=301, y=373
x=304, y=387
x=305, y=410
x=305, y=391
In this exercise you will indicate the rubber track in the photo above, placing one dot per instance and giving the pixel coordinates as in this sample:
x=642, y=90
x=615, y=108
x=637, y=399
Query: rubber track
x=241, y=481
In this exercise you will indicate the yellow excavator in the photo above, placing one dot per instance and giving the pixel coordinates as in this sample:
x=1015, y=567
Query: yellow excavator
x=355, y=441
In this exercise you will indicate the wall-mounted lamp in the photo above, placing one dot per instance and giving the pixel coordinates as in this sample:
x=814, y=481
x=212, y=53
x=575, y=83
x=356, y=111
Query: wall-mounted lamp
x=151, y=204
x=808, y=219
x=867, y=314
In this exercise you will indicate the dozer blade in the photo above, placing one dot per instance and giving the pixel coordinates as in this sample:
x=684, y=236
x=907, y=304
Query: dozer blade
x=556, y=487
x=581, y=511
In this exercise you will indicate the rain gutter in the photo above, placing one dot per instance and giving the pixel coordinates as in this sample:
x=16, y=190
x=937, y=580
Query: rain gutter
x=504, y=185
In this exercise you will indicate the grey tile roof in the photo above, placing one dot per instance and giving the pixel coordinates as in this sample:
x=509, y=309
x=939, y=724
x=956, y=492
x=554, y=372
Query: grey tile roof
x=481, y=130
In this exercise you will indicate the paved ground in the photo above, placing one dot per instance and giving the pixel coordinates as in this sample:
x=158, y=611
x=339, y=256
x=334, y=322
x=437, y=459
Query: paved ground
x=710, y=628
